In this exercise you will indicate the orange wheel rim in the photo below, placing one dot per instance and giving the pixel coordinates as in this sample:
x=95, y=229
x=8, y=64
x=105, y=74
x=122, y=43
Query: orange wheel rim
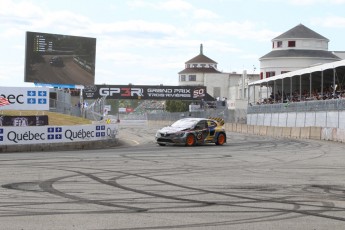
x=221, y=139
x=190, y=140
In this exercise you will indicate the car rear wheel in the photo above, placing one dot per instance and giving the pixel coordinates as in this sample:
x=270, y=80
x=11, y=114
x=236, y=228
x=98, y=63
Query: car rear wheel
x=160, y=144
x=220, y=139
x=190, y=140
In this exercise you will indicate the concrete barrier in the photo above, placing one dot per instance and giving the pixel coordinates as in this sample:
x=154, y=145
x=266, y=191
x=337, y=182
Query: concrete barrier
x=286, y=131
x=228, y=127
x=244, y=128
x=250, y=129
x=305, y=132
x=295, y=132
x=239, y=128
x=270, y=131
x=339, y=135
x=263, y=130
x=60, y=146
x=256, y=130
x=315, y=133
x=327, y=134
x=278, y=131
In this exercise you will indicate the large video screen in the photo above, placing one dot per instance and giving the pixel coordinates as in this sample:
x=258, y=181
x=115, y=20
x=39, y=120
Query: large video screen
x=59, y=59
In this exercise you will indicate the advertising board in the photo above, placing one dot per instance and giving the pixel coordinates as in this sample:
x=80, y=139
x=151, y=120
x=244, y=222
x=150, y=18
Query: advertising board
x=25, y=98
x=145, y=92
x=56, y=134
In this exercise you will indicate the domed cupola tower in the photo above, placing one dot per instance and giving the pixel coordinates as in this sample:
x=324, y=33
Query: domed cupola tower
x=297, y=48
x=196, y=68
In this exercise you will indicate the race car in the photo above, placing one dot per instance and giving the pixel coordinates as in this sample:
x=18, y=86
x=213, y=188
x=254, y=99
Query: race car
x=193, y=131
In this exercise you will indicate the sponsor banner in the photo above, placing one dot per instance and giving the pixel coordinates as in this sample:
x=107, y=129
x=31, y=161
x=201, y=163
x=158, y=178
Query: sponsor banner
x=25, y=98
x=66, y=86
x=144, y=92
x=56, y=134
x=24, y=120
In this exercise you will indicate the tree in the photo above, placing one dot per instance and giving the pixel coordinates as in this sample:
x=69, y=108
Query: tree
x=176, y=106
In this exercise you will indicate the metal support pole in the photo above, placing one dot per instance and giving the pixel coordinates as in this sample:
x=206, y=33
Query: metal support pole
x=310, y=85
x=300, y=87
x=282, y=94
x=248, y=101
x=333, y=82
x=290, y=88
x=274, y=89
x=321, y=83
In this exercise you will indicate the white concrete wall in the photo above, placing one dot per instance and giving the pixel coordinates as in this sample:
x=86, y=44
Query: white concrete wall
x=326, y=119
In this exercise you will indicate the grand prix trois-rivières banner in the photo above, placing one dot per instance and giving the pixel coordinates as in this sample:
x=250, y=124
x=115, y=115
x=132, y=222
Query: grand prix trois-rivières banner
x=145, y=92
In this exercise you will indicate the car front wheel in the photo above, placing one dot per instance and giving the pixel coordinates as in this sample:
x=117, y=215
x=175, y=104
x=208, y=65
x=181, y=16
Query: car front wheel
x=190, y=140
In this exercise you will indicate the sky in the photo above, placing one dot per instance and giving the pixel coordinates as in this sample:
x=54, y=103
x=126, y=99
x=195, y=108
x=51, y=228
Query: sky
x=147, y=42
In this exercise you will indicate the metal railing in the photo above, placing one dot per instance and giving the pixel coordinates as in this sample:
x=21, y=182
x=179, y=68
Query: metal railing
x=305, y=106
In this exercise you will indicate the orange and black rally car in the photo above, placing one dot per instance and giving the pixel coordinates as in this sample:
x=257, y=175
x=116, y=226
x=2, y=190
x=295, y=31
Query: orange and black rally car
x=193, y=131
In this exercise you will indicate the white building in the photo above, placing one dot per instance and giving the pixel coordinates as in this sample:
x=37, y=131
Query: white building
x=297, y=48
x=202, y=70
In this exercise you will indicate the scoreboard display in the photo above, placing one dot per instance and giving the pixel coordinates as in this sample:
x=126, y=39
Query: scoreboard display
x=59, y=59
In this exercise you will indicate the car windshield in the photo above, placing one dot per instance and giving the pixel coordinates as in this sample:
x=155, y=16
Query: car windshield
x=185, y=123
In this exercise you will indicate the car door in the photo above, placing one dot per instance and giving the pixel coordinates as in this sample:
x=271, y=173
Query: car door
x=202, y=131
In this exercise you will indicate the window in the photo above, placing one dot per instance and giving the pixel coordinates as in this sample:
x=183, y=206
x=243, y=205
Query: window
x=201, y=125
x=292, y=44
x=192, y=78
x=183, y=78
x=270, y=74
x=272, y=44
x=279, y=44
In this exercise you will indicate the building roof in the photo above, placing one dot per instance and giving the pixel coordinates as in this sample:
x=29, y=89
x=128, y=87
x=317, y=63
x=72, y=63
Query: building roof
x=296, y=53
x=201, y=58
x=339, y=65
x=199, y=70
x=300, y=31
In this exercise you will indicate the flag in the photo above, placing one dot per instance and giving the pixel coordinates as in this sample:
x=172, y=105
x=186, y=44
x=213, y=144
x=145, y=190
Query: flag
x=4, y=101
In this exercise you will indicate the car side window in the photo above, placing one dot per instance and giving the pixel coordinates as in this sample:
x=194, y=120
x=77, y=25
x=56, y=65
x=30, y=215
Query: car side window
x=212, y=124
x=201, y=125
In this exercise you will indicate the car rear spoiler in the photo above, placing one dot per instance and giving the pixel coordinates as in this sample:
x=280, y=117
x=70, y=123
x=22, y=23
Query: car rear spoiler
x=218, y=119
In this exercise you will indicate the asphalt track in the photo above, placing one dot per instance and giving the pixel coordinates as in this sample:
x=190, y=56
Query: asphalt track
x=252, y=182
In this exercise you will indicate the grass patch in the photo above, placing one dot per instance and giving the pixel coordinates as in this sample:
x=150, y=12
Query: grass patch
x=53, y=118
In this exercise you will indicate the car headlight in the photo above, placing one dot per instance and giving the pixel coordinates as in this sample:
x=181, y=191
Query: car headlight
x=158, y=134
x=179, y=134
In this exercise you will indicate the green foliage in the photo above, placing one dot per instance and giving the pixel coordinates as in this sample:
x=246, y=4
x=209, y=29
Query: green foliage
x=177, y=106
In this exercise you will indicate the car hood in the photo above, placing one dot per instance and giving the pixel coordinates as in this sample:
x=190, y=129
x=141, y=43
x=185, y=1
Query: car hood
x=170, y=129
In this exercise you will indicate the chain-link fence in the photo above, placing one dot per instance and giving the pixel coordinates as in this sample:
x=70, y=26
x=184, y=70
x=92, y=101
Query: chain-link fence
x=64, y=108
x=94, y=110
x=323, y=105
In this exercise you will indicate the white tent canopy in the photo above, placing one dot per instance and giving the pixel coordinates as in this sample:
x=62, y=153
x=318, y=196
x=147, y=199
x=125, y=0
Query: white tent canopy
x=318, y=68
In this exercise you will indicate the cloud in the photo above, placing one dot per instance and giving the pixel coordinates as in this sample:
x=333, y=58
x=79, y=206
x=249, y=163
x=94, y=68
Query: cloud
x=241, y=30
x=171, y=5
x=204, y=14
x=313, y=2
x=183, y=7
x=135, y=28
x=330, y=22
